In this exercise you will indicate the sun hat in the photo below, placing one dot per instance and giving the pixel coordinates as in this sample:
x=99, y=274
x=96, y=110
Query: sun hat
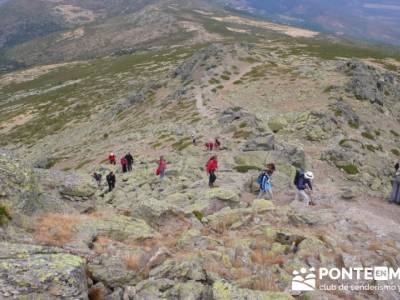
x=309, y=175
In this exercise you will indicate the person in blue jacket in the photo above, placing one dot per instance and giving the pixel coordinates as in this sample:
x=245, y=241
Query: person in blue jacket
x=264, y=180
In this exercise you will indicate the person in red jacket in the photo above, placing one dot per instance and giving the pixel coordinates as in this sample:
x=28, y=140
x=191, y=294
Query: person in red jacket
x=211, y=167
x=162, y=166
x=111, y=158
x=124, y=164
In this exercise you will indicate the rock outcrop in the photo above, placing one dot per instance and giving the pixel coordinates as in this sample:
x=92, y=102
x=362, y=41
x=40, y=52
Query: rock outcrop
x=35, y=272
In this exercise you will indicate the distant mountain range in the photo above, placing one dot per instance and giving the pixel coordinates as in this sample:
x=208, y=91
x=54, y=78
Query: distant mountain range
x=372, y=20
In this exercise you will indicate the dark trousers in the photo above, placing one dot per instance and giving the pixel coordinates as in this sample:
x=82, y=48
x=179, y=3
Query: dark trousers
x=111, y=186
x=129, y=167
x=212, y=179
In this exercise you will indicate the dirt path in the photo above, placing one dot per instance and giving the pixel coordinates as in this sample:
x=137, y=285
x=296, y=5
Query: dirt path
x=220, y=100
x=201, y=107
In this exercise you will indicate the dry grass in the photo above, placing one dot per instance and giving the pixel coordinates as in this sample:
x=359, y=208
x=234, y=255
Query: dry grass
x=167, y=241
x=96, y=294
x=101, y=244
x=132, y=261
x=262, y=257
x=375, y=245
x=241, y=273
x=217, y=268
x=263, y=283
x=55, y=229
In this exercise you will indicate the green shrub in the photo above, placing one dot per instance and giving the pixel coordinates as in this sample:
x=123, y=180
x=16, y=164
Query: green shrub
x=350, y=169
x=368, y=135
x=370, y=148
x=214, y=81
x=245, y=168
x=343, y=143
x=236, y=82
x=182, y=144
x=198, y=214
x=395, y=133
x=225, y=77
x=396, y=152
x=243, y=125
x=354, y=125
x=4, y=215
x=328, y=89
x=338, y=113
x=156, y=145
x=241, y=134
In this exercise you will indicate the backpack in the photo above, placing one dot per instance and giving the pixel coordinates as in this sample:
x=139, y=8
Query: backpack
x=260, y=177
x=296, y=177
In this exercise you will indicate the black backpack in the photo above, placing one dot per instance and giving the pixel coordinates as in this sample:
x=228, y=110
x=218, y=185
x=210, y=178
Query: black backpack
x=296, y=177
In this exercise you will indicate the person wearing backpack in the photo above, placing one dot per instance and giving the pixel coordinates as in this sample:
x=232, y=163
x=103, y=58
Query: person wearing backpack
x=395, y=194
x=302, y=181
x=97, y=177
x=111, y=181
x=112, y=159
x=129, y=159
x=264, y=180
x=211, y=168
x=124, y=164
x=162, y=166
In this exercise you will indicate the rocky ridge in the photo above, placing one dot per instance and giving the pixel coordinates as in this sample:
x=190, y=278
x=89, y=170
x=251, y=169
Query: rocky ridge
x=177, y=239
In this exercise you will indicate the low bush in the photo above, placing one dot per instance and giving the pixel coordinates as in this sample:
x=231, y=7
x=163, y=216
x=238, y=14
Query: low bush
x=245, y=168
x=350, y=169
x=368, y=135
x=396, y=152
x=4, y=215
x=354, y=125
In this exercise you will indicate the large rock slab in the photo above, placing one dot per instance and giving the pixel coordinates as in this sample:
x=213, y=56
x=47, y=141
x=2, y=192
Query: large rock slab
x=19, y=188
x=35, y=272
x=222, y=290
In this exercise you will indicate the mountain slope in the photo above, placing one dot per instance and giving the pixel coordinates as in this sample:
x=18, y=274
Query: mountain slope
x=270, y=93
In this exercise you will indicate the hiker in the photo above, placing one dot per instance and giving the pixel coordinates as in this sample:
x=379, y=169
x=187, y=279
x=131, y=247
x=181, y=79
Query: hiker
x=111, y=181
x=395, y=194
x=302, y=181
x=124, y=164
x=111, y=158
x=217, y=144
x=97, y=177
x=211, y=167
x=264, y=180
x=162, y=166
x=396, y=166
x=194, y=139
x=209, y=146
x=129, y=159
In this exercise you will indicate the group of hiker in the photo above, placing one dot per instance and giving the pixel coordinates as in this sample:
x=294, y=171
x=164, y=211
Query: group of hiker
x=216, y=145
x=126, y=161
x=302, y=179
x=302, y=182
